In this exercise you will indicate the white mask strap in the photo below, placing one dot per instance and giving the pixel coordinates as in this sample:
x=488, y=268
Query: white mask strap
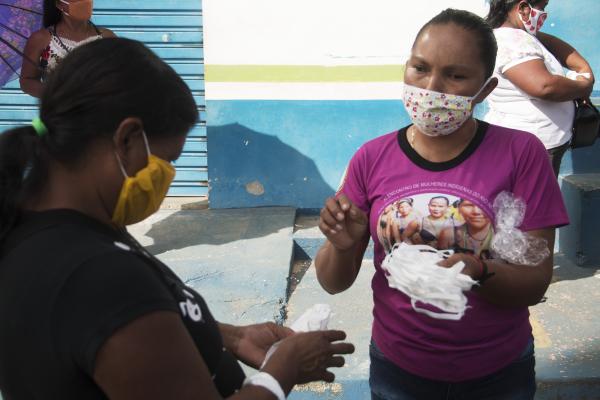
x=119, y=158
x=146, y=143
x=121, y=165
x=432, y=314
x=483, y=87
x=67, y=3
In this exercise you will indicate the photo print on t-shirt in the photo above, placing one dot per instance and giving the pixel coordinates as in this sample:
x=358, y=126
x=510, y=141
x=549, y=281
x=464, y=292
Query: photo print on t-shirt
x=439, y=220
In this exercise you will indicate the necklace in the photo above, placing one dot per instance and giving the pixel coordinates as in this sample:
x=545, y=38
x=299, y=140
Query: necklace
x=478, y=240
x=411, y=140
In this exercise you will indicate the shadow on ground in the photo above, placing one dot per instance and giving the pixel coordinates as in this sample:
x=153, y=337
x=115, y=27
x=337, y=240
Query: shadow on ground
x=216, y=227
x=566, y=270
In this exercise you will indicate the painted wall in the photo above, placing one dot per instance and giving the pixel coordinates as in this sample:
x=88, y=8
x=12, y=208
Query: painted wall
x=293, y=88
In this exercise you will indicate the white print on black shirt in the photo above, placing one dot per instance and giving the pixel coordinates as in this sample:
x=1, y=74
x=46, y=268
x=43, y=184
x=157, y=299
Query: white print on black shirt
x=190, y=309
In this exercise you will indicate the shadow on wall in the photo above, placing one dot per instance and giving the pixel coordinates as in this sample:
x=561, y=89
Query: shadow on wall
x=250, y=169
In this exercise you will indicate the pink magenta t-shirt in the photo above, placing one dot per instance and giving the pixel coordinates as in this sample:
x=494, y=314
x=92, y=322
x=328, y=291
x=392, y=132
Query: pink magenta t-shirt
x=445, y=205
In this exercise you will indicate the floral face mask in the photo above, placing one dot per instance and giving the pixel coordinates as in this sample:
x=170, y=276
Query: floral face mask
x=536, y=20
x=435, y=113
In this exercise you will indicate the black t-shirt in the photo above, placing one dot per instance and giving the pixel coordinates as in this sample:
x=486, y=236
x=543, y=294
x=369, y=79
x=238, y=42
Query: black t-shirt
x=67, y=283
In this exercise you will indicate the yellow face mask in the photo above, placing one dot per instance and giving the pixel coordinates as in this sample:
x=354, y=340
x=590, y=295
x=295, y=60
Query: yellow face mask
x=142, y=194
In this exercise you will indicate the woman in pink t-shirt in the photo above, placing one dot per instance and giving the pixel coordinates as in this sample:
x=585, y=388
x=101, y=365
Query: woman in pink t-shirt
x=446, y=153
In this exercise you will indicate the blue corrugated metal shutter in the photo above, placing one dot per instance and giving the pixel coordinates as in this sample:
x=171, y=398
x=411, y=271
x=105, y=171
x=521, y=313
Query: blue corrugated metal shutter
x=172, y=29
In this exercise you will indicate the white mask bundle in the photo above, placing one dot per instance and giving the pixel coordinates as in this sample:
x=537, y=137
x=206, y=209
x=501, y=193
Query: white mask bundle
x=315, y=318
x=414, y=270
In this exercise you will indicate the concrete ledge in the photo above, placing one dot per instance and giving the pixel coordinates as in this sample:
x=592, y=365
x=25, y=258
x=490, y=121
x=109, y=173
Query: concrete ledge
x=185, y=203
x=579, y=240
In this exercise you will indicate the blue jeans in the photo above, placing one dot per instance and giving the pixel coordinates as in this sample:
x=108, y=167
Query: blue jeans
x=513, y=382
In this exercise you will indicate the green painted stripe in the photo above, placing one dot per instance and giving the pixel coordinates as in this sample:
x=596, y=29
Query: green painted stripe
x=304, y=73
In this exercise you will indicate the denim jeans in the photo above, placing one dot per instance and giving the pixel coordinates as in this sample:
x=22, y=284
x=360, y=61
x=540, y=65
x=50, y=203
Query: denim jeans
x=514, y=382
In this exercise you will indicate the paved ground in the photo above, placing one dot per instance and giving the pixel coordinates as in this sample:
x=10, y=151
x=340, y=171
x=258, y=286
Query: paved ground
x=240, y=261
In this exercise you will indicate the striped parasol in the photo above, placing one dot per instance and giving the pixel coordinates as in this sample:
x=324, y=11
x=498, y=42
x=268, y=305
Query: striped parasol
x=18, y=20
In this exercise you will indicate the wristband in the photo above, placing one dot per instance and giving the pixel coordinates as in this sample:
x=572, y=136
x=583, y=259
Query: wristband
x=484, y=274
x=268, y=382
x=479, y=264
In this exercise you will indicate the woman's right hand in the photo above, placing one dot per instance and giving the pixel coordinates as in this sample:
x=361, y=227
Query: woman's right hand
x=304, y=357
x=588, y=85
x=342, y=222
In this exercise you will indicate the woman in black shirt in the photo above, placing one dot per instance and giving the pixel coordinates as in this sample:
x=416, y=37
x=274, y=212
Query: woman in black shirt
x=87, y=313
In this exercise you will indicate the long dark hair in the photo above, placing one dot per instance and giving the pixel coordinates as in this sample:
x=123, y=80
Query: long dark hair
x=52, y=14
x=488, y=48
x=499, y=10
x=85, y=99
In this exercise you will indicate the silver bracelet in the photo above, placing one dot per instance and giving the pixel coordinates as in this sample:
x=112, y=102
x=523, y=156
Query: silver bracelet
x=268, y=382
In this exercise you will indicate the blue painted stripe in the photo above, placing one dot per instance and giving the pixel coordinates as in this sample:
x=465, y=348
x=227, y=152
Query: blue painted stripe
x=126, y=5
x=195, y=83
x=22, y=112
x=158, y=35
x=164, y=19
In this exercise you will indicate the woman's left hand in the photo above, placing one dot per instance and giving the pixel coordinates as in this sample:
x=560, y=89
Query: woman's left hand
x=472, y=265
x=253, y=342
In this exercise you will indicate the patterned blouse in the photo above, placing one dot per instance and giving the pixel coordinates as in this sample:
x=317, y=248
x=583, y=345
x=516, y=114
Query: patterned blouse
x=59, y=48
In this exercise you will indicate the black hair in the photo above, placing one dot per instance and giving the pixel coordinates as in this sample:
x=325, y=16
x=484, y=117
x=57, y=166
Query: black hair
x=499, y=10
x=52, y=15
x=488, y=48
x=440, y=197
x=407, y=200
x=85, y=99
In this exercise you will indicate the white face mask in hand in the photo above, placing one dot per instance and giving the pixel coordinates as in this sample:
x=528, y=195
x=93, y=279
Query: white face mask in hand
x=315, y=318
x=413, y=270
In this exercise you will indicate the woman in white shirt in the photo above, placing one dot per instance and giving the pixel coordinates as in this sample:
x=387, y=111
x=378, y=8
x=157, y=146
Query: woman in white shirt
x=533, y=92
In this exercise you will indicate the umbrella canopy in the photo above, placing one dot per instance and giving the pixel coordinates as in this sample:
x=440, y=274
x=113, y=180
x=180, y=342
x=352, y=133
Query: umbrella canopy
x=18, y=20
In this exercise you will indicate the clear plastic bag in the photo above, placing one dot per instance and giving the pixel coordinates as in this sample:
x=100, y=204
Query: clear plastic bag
x=509, y=243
